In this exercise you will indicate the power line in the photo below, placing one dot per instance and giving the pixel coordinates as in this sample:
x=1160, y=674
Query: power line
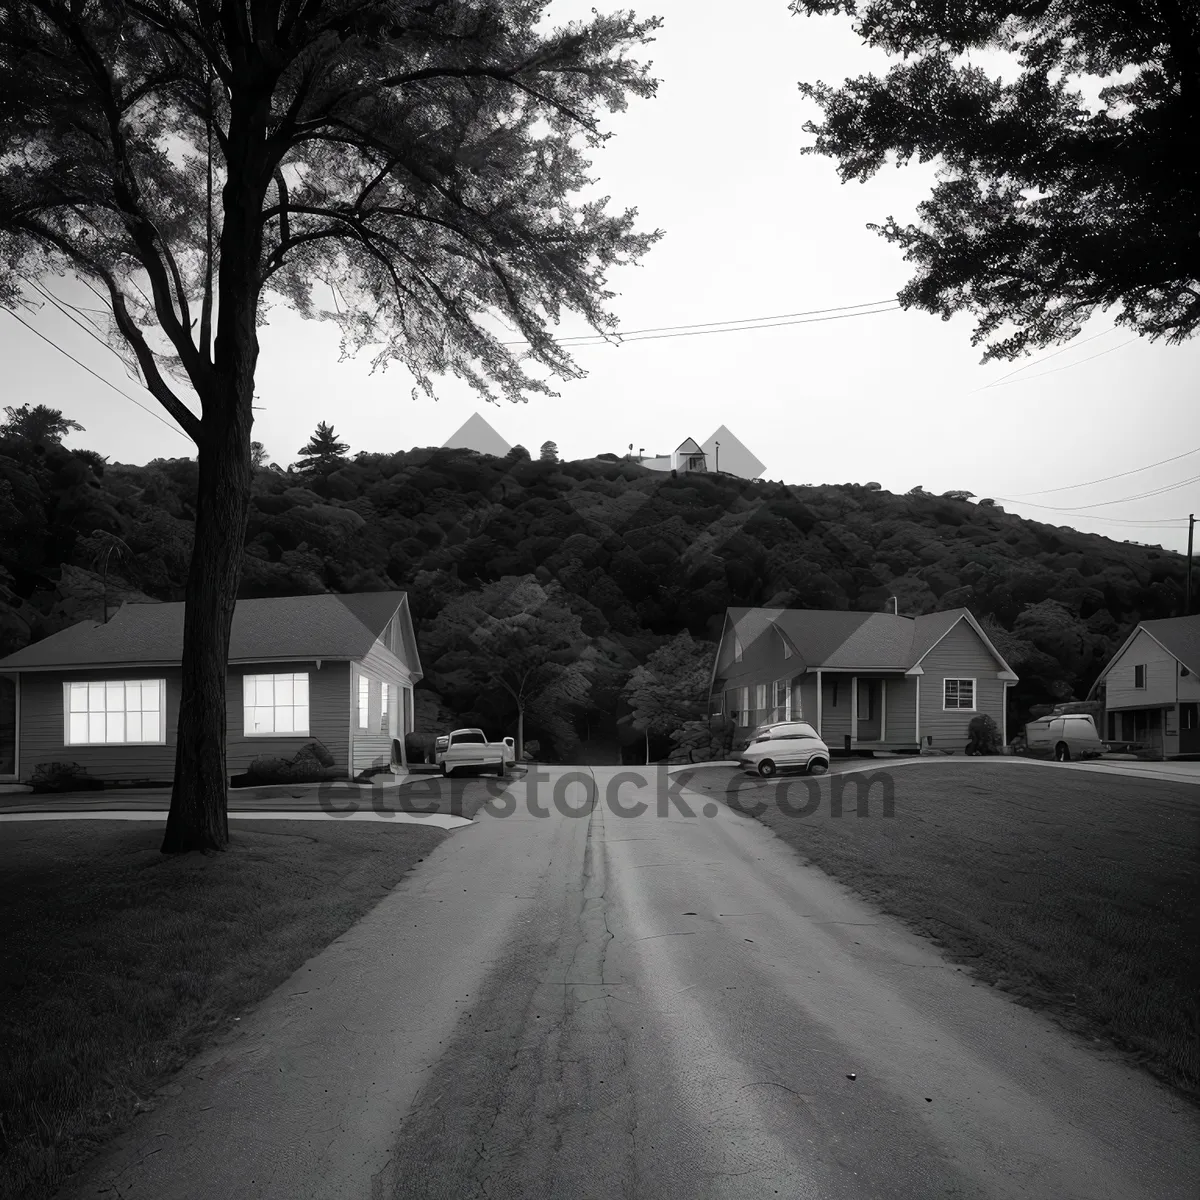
x=1047, y=357
x=1136, y=471
x=1066, y=366
x=1079, y=508
x=88, y=329
x=733, y=325
x=104, y=381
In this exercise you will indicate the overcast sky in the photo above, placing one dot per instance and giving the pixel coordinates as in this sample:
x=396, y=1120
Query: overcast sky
x=753, y=229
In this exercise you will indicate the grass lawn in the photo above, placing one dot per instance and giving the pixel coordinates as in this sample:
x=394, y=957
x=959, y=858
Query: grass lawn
x=1077, y=893
x=118, y=964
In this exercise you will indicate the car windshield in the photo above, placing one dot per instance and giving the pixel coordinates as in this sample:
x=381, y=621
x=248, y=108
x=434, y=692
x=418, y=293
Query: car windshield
x=471, y=737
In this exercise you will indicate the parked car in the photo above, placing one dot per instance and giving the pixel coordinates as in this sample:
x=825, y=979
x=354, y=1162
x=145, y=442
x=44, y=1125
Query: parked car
x=785, y=745
x=470, y=748
x=1073, y=735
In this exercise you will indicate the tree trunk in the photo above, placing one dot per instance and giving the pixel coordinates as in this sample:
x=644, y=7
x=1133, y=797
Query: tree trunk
x=198, y=818
x=647, y=745
x=520, y=732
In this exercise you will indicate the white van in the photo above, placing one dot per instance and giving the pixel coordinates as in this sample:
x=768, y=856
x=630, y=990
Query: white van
x=1073, y=735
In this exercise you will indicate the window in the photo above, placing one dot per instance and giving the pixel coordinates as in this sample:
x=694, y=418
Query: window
x=364, y=701
x=1139, y=676
x=1189, y=716
x=959, y=693
x=833, y=691
x=737, y=649
x=717, y=706
x=787, y=649
x=383, y=708
x=115, y=713
x=781, y=699
x=274, y=705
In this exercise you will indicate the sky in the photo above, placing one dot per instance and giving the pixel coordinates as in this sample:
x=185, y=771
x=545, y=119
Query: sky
x=753, y=228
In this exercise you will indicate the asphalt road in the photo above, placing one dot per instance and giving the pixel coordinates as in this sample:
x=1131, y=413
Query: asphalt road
x=667, y=1007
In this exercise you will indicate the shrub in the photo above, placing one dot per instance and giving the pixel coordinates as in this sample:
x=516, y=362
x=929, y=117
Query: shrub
x=312, y=763
x=983, y=736
x=62, y=777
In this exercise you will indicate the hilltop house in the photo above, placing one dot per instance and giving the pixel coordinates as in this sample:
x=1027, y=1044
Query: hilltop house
x=864, y=681
x=1151, y=687
x=336, y=669
x=722, y=452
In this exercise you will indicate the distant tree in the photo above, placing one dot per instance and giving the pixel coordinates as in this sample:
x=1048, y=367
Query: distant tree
x=37, y=424
x=1046, y=207
x=101, y=547
x=874, y=487
x=258, y=455
x=671, y=688
x=514, y=634
x=323, y=451
x=518, y=453
x=404, y=169
x=549, y=452
x=957, y=495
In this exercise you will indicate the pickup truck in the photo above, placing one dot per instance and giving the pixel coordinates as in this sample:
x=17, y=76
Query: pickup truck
x=470, y=748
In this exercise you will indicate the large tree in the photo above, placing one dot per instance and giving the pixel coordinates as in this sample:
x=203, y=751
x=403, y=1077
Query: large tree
x=1070, y=176
x=671, y=688
x=407, y=169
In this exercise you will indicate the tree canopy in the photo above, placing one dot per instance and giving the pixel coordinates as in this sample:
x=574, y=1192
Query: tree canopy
x=1050, y=203
x=37, y=424
x=322, y=451
x=408, y=171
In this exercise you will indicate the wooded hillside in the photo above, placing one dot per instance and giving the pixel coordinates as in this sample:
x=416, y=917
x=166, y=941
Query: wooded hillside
x=639, y=557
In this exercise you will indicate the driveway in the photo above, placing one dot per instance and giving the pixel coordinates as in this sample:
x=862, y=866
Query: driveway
x=660, y=1006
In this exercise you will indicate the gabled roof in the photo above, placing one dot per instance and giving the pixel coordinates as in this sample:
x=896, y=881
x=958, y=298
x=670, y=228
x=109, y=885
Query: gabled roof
x=476, y=434
x=278, y=627
x=832, y=640
x=1178, y=636
x=688, y=446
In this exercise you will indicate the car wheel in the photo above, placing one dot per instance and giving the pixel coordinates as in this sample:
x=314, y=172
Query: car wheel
x=766, y=768
x=818, y=766
x=1062, y=752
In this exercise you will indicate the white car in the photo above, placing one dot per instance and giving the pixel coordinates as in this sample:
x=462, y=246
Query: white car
x=1071, y=736
x=470, y=748
x=784, y=745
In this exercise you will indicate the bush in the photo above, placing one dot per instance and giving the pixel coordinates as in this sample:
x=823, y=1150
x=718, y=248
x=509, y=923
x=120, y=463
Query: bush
x=62, y=777
x=983, y=736
x=312, y=763
x=532, y=747
x=416, y=747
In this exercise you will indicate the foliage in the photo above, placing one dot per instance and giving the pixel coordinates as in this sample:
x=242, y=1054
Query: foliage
x=258, y=455
x=549, y=452
x=627, y=560
x=671, y=688
x=312, y=763
x=322, y=451
x=1047, y=206
x=38, y=424
x=62, y=777
x=983, y=736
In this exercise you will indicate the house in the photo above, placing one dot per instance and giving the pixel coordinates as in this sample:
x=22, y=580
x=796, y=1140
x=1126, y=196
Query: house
x=1151, y=687
x=725, y=453
x=476, y=434
x=687, y=456
x=864, y=681
x=336, y=669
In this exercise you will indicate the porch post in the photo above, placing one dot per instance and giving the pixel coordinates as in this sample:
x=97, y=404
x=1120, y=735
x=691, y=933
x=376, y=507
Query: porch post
x=819, y=699
x=918, y=710
x=883, y=710
x=853, y=710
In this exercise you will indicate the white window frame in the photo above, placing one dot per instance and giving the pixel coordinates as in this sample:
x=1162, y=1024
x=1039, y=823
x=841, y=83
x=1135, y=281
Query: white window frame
x=1141, y=687
x=972, y=707
x=248, y=706
x=364, y=702
x=161, y=733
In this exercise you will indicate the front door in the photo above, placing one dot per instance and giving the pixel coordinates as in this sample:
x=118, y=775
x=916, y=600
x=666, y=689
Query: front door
x=8, y=726
x=1189, y=728
x=870, y=714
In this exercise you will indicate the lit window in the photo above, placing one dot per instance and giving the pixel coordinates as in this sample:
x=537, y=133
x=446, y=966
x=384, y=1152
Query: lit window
x=959, y=693
x=364, y=701
x=115, y=713
x=275, y=704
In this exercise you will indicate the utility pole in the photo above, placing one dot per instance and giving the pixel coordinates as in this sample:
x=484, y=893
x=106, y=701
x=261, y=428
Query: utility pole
x=717, y=456
x=1187, y=591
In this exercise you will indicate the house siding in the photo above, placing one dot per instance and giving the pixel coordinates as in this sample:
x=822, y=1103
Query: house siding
x=901, y=711
x=959, y=655
x=328, y=714
x=41, y=727
x=1162, y=678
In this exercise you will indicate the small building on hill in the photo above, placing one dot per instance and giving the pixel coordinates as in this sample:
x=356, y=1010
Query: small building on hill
x=1151, y=687
x=687, y=456
x=864, y=681
x=335, y=669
